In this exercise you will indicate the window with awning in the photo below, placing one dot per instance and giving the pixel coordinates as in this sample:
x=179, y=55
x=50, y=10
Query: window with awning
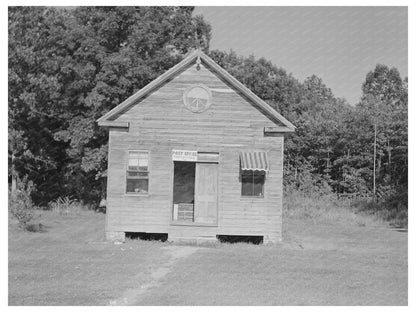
x=254, y=166
x=254, y=161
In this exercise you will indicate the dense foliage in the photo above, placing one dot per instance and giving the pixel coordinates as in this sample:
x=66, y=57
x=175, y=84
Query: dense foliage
x=68, y=67
x=332, y=150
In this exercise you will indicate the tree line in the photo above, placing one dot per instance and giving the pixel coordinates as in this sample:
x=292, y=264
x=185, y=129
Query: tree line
x=69, y=67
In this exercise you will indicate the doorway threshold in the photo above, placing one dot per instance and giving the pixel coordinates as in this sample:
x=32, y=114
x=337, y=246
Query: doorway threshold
x=181, y=223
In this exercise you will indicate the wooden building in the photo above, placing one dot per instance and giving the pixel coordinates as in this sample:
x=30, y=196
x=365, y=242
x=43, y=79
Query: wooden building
x=195, y=154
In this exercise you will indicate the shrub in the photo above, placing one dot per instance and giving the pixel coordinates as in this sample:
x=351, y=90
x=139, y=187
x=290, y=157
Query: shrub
x=307, y=183
x=20, y=203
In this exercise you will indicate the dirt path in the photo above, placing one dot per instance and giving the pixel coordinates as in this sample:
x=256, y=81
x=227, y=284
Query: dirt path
x=131, y=296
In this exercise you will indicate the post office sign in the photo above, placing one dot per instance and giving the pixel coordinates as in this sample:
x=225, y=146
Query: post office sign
x=181, y=155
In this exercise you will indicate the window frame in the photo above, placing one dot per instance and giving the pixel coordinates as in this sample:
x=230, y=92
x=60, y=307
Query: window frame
x=263, y=174
x=138, y=170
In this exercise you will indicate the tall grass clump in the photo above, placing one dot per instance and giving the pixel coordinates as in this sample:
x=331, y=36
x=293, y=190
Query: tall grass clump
x=393, y=209
x=308, y=195
x=311, y=197
x=65, y=206
x=20, y=203
x=323, y=208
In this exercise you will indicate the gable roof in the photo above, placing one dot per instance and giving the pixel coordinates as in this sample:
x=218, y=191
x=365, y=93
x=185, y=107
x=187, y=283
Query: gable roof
x=108, y=119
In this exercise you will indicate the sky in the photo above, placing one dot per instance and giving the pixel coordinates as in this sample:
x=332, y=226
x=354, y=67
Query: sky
x=339, y=44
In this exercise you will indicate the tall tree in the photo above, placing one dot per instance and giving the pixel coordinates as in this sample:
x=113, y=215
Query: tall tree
x=68, y=67
x=35, y=96
x=384, y=99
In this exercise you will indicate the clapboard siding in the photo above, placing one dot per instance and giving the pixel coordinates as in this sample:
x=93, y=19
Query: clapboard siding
x=160, y=123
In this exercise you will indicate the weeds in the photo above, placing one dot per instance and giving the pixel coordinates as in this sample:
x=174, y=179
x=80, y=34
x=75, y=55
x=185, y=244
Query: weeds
x=65, y=206
x=391, y=211
x=360, y=211
x=323, y=207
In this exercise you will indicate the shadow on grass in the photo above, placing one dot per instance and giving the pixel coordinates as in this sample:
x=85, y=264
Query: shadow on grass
x=233, y=239
x=398, y=229
x=161, y=237
x=37, y=228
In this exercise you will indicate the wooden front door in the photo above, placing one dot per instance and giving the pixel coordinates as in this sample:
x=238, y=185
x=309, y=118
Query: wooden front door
x=206, y=193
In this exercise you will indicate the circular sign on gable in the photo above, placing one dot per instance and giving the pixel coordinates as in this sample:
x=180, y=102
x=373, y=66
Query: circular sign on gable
x=197, y=98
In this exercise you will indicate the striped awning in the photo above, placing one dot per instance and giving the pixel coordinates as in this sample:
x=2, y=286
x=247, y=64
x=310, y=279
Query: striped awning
x=254, y=161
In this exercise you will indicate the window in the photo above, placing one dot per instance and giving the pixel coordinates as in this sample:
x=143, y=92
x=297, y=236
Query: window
x=252, y=183
x=253, y=166
x=138, y=172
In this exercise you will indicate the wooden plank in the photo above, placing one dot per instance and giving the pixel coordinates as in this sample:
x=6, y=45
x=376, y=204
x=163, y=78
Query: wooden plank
x=208, y=157
x=113, y=124
x=159, y=124
x=155, y=83
x=277, y=129
x=184, y=207
x=206, y=192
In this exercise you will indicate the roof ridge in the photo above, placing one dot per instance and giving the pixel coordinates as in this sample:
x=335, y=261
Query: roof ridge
x=188, y=59
x=250, y=94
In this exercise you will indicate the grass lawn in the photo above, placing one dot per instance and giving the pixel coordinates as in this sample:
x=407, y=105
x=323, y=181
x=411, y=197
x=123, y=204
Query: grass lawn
x=320, y=263
x=70, y=264
x=317, y=265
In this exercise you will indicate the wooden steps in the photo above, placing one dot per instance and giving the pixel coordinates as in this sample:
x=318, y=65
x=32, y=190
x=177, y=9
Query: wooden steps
x=192, y=235
x=193, y=240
